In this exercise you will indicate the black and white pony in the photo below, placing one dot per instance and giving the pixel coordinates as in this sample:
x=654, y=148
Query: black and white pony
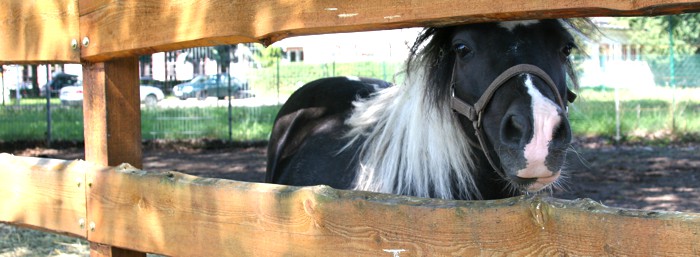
x=481, y=115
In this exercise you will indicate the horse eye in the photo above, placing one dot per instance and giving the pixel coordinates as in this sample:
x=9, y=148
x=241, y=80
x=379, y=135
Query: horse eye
x=462, y=50
x=567, y=49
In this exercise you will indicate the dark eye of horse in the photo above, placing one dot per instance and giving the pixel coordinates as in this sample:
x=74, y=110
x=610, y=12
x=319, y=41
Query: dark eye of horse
x=462, y=50
x=567, y=49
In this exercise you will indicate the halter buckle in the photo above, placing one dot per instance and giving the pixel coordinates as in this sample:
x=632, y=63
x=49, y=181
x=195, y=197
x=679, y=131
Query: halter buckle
x=478, y=120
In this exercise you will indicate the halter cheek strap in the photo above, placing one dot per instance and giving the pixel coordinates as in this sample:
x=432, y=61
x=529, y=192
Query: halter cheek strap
x=474, y=112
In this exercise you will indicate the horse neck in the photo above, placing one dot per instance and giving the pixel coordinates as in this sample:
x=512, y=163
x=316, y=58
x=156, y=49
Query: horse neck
x=410, y=146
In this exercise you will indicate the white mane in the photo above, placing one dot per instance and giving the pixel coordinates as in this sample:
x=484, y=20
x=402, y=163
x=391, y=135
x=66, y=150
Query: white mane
x=411, y=147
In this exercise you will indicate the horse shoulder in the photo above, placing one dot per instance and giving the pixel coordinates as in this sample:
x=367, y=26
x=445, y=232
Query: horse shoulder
x=312, y=121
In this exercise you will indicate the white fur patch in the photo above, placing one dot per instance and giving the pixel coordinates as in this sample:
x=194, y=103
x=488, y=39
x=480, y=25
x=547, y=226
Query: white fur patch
x=546, y=120
x=511, y=25
x=410, y=147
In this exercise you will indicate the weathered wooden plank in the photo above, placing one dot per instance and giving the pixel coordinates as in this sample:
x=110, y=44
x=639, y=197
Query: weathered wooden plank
x=229, y=218
x=43, y=194
x=157, y=212
x=128, y=28
x=112, y=112
x=42, y=31
x=38, y=31
x=112, y=120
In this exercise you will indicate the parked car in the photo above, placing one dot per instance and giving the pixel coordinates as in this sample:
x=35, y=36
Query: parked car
x=73, y=95
x=149, y=81
x=203, y=86
x=57, y=82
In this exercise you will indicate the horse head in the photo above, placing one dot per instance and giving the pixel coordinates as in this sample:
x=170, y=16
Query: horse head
x=507, y=82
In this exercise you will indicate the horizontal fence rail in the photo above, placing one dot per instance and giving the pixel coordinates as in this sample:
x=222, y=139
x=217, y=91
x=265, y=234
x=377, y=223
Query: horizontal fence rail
x=95, y=31
x=156, y=211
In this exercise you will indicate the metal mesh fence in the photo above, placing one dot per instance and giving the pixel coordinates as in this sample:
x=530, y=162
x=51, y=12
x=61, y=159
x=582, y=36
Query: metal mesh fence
x=650, y=98
x=619, y=99
x=250, y=117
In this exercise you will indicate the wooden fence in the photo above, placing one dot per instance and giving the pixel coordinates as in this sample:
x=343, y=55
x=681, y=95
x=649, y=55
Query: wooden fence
x=124, y=211
x=181, y=215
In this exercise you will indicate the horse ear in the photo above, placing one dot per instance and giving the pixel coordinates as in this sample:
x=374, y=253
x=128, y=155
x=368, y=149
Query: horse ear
x=570, y=95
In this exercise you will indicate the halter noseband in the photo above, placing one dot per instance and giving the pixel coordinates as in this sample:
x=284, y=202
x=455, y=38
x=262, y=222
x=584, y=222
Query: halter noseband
x=474, y=112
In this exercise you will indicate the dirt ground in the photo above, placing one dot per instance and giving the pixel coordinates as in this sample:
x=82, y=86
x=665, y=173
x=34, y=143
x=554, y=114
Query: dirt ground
x=628, y=176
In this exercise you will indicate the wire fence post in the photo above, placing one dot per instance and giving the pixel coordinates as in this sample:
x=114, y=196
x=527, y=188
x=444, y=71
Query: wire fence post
x=277, y=76
x=673, y=108
x=672, y=71
x=230, y=106
x=48, y=108
x=617, y=116
x=19, y=78
x=384, y=70
x=2, y=76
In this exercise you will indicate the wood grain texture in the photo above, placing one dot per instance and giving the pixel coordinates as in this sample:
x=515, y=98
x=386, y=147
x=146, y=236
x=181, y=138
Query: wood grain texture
x=229, y=218
x=112, y=112
x=43, y=194
x=112, y=120
x=38, y=31
x=42, y=30
x=131, y=27
x=181, y=215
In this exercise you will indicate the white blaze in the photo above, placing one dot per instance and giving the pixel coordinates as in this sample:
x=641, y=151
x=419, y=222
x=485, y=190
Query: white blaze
x=546, y=119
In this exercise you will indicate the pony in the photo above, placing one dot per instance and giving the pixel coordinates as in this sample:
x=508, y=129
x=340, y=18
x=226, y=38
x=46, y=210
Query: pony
x=481, y=115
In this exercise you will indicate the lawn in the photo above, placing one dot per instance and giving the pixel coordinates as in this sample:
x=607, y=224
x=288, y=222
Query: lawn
x=652, y=113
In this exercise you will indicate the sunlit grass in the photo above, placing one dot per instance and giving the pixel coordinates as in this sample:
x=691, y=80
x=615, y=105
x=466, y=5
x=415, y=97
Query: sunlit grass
x=248, y=123
x=658, y=112
x=644, y=113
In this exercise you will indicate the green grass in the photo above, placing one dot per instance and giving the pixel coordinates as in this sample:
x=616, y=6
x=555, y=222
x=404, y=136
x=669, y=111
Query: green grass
x=644, y=112
x=649, y=113
x=32, y=101
x=249, y=123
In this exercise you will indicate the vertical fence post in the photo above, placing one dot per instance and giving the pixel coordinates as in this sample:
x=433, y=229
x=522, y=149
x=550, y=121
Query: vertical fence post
x=230, y=106
x=384, y=70
x=277, y=63
x=2, y=76
x=617, y=116
x=672, y=71
x=112, y=121
x=48, y=109
x=673, y=108
x=19, y=78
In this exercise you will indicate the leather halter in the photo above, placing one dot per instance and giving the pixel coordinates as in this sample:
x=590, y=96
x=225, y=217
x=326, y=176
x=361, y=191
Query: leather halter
x=474, y=112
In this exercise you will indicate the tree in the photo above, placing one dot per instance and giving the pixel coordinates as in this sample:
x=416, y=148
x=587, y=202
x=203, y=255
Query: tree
x=671, y=46
x=222, y=55
x=267, y=56
x=652, y=33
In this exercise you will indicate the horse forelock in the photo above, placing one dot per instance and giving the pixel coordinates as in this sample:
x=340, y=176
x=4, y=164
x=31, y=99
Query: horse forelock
x=432, y=55
x=409, y=145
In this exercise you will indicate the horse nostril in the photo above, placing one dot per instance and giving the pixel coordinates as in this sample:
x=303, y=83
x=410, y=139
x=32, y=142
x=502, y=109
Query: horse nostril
x=513, y=129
